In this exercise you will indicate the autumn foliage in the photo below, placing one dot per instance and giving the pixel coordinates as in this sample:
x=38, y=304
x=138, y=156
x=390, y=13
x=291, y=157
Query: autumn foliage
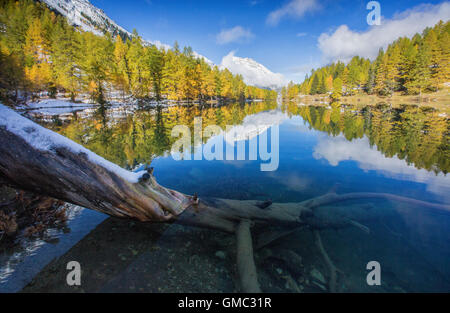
x=40, y=53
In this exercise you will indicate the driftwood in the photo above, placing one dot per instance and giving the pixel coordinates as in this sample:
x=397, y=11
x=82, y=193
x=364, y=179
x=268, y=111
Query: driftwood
x=62, y=174
x=73, y=178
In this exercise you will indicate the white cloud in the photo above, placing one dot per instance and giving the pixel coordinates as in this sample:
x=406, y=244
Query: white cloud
x=235, y=34
x=294, y=9
x=344, y=43
x=254, y=74
x=301, y=34
x=338, y=149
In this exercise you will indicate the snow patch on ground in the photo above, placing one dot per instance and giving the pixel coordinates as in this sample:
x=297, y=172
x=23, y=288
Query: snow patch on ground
x=58, y=111
x=55, y=106
x=55, y=103
x=44, y=139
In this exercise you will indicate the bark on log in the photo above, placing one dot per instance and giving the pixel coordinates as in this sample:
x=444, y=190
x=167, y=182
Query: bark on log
x=73, y=178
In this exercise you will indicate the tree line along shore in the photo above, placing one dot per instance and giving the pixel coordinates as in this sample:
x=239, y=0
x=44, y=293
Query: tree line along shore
x=413, y=69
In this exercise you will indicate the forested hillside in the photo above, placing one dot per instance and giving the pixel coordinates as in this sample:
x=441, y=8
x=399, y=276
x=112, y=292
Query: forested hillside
x=411, y=66
x=40, y=53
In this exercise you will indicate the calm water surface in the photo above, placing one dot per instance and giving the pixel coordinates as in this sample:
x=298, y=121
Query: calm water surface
x=404, y=151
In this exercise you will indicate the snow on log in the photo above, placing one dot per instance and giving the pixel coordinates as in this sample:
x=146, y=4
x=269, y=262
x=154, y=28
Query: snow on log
x=37, y=159
x=44, y=139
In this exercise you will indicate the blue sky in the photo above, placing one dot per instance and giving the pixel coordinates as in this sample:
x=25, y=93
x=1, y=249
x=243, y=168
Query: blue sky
x=287, y=43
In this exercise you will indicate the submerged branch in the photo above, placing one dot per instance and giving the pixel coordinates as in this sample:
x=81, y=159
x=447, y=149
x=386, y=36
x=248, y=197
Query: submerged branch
x=245, y=259
x=331, y=267
x=332, y=198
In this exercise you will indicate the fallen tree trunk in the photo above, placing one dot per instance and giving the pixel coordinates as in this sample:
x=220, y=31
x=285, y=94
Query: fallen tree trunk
x=74, y=178
x=36, y=159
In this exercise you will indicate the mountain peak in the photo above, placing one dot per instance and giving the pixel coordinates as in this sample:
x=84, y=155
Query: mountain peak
x=92, y=19
x=85, y=15
x=254, y=73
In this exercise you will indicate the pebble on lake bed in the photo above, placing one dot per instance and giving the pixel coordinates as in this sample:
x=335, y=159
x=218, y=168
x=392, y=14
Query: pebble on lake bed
x=221, y=255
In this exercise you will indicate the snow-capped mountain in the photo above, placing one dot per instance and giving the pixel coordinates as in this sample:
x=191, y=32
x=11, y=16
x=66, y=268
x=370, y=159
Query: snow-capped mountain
x=254, y=73
x=90, y=18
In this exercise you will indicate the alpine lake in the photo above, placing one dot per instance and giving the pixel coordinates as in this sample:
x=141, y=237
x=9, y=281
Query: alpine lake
x=402, y=150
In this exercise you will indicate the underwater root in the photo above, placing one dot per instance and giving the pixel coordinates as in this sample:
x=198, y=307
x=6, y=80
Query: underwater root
x=331, y=267
x=245, y=260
